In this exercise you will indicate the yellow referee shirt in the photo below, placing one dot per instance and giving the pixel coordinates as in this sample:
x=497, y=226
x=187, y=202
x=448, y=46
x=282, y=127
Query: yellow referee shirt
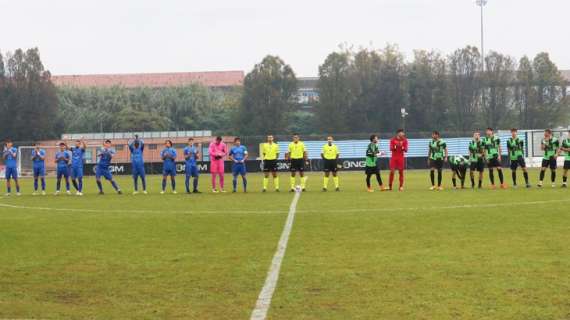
x=330, y=152
x=270, y=151
x=296, y=150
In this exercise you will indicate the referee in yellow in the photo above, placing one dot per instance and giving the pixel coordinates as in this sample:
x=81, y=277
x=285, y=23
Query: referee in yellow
x=297, y=156
x=330, y=157
x=270, y=154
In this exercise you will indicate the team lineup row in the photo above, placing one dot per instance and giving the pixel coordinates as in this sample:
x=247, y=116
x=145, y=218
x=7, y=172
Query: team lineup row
x=482, y=151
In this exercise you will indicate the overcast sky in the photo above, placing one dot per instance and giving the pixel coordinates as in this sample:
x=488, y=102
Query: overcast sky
x=123, y=36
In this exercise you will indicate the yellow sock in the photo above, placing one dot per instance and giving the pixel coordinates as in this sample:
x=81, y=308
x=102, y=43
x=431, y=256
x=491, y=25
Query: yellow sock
x=292, y=182
x=325, y=182
x=336, y=183
x=276, y=183
x=265, y=183
x=303, y=182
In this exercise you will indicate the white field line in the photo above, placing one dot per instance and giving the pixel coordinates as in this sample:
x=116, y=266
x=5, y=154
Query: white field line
x=427, y=208
x=264, y=300
x=11, y=206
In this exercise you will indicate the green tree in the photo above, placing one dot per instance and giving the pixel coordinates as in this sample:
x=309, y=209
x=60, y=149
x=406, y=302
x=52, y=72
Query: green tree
x=498, y=82
x=335, y=97
x=269, y=95
x=428, y=92
x=464, y=70
x=29, y=98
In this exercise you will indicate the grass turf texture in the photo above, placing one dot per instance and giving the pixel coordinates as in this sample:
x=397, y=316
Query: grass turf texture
x=419, y=254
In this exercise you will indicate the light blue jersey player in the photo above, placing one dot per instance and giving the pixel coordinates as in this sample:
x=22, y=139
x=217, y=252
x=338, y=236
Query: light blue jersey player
x=136, y=147
x=168, y=156
x=39, y=168
x=191, y=156
x=77, y=163
x=238, y=155
x=62, y=161
x=103, y=167
x=10, y=156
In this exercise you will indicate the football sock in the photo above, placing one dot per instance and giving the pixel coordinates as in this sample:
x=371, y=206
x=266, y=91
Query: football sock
x=325, y=182
x=367, y=181
x=74, y=182
x=501, y=178
x=195, y=184
x=303, y=182
x=439, y=176
x=100, y=186
x=265, y=183
x=492, y=176
x=401, y=177
x=234, y=182
x=432, y=177
x=115, y=186
x=67, y=184
x=80, y=184
x=136, y=183
x=187, y=183
x=472, y=182
x=43, y=184
x=221, y=180
x=453, y=180
x=336, y=182
x=173, y=183
x=525, y=174
x=541, y=175
x=553, y=176
x=244, y=183
x=58, y=184
x=379, y=178
x=514, y=175
x=36, y=184
x=276, y=183
x=391, y=179
x=292, y=182
x=164, y=184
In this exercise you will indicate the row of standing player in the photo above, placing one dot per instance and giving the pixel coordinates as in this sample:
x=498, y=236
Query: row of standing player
x=482, y=151
x=487, y=151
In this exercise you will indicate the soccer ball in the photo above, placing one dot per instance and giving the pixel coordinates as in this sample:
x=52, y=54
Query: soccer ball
x=298, y=188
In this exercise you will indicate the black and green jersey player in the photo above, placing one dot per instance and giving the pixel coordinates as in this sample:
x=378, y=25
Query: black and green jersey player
x=515, y=146
x=550, y=145
x=458, y=166
x=493, y=151
x=437, y=155
x=476, y=159
x=371, y=163
x=565, y=150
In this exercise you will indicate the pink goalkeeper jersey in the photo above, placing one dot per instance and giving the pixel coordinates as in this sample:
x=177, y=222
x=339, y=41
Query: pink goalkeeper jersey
x=217, y=150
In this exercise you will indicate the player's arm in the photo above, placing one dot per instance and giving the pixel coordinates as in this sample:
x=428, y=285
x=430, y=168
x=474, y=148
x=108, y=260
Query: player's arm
x=405, y=145
x=42, y=155
x=288, y=153
x=305, y=153
x=173, y=154
x=337, y=153
x=446, y=152
x=500, y=152
x=245, y=154
x=231, y=156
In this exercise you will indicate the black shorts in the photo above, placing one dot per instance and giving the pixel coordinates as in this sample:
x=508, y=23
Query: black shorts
x=493, y=163
x=330, y=165
x=459, y=170
x=438, y=164
x=372, y=170
x=297, y=165
x=519, y=162
x=549, y=163
x=477, y=166
x=269, y=165
x=567, y=165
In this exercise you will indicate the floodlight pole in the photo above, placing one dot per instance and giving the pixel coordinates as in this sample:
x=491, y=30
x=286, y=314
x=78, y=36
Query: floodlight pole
x=482, y=3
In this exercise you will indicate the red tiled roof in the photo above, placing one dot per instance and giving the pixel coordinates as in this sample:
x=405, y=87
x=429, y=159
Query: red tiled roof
x=155, y=80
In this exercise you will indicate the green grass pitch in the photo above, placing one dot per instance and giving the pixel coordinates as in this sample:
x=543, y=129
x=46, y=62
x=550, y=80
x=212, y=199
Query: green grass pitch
x=418, y=254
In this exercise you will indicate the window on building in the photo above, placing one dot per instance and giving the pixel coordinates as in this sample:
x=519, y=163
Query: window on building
x=152, y=146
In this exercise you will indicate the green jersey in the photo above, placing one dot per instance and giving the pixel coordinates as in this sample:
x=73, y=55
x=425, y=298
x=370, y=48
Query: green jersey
x=372, y=155
x=550, y=147
x=437, y=149
x=566, y=145
x=476, y=150
x=515, y=147
x=458, y=160
x=491, y=145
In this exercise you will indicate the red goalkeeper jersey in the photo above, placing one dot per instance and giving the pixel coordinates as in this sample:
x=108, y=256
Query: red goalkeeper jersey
x=398, y=147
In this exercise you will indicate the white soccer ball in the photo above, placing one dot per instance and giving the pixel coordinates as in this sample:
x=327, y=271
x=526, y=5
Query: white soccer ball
x=298, y=188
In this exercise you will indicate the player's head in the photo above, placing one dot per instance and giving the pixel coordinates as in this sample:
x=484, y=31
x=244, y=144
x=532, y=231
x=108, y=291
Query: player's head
x=330, y=139
x=237, y=141
x=270, y=138
x=295, y=137
x=9, y=143
x=168, y=144
x=218, y=139
x=35, y=145
x=107, y=144
x=476, y=135
x=374, y=138
x=435, y=134
x=190, y=141
x=489, y=132
x=547, y=133
x=400, y=133
x=78, y=143
x=514, y=132
x=136, y=144
x=62, y=146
